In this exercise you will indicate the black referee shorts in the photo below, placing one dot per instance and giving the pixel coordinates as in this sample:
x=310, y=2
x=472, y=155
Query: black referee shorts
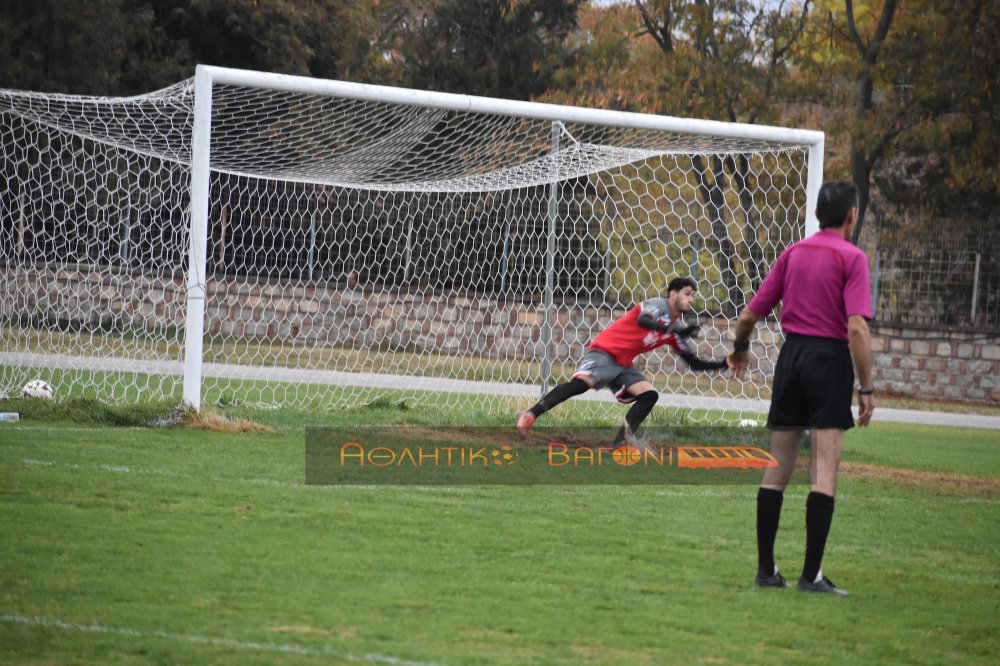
x=813, y=385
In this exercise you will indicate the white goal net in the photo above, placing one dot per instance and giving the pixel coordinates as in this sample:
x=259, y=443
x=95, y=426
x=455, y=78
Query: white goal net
x=271, y=240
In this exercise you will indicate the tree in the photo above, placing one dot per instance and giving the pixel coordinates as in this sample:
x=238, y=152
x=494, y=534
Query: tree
x=725, y=60
x=127, y=47
x=321, y=38
x=497, y=48
x=869, y=142
x=946, y=65
x=911, y=86
x=63, y=45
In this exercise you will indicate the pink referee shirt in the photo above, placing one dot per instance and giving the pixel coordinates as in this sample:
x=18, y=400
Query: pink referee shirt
x=821, y=281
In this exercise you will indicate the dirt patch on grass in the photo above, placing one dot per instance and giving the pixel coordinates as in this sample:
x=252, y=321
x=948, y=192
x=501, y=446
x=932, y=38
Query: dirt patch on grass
x=218, y=423
x=949, y=483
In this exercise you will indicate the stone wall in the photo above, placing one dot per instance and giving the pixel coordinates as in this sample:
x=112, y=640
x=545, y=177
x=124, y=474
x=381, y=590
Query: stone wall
x=937, y=364
x=91, y=299
x=913, y=361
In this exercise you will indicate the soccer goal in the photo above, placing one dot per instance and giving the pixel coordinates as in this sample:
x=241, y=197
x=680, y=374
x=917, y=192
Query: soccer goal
x=275, y=240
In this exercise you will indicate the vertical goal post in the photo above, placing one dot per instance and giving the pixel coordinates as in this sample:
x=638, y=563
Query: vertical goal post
x=343, y=239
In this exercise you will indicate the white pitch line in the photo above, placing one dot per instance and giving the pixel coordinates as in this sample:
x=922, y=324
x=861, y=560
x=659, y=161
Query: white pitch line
x=325, y=651
x=122, y=469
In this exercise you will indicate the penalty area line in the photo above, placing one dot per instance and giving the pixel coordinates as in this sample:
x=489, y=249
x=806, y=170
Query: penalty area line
x=325, y=651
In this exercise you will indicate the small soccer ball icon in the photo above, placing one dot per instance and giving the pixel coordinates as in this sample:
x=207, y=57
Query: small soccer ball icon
x=38, y=388
x=504, y=455
x=626, y=455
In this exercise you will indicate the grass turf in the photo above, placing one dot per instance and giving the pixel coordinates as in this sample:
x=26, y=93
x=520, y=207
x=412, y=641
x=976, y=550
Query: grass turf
x=126, y=545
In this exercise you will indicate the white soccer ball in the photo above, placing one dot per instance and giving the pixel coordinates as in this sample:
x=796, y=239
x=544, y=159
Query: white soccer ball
x=748, y=423
x=38, y=388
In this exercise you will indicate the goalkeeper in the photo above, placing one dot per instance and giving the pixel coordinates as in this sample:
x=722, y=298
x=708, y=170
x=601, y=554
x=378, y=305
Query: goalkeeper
x=609, y=357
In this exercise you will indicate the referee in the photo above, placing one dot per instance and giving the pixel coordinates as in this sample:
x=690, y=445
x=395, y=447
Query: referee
x=822, y=283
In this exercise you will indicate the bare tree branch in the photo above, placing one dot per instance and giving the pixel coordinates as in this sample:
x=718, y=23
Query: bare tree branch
x=869, y=52
x=661, y=32
x=779, y=52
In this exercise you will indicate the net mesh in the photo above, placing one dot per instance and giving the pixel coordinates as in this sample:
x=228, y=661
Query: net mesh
x=357, y=247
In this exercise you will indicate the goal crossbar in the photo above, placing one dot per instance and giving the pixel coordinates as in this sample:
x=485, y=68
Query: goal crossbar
x=489, y=105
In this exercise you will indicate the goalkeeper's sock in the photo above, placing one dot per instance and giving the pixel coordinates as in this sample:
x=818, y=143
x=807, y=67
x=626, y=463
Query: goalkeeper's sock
x=819, y=516
x=640, y=409
x=768, y=516
x=559, y=394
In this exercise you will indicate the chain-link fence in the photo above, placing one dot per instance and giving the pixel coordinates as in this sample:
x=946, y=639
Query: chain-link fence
x=934, y=272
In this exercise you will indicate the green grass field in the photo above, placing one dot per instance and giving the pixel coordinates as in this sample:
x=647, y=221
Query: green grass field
x=124, y=544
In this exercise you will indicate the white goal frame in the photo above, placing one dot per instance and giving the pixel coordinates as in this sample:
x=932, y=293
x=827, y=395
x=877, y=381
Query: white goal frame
x=206, y=77
x=261, y=239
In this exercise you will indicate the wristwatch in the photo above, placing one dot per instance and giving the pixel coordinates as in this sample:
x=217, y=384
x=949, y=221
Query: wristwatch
x=741, y=345
x=864, y=391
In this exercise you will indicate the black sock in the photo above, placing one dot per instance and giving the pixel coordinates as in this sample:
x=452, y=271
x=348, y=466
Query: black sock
x=819, y=515
x=636, y=414
x=640, y=409
x=561, y=393
x=768, y=515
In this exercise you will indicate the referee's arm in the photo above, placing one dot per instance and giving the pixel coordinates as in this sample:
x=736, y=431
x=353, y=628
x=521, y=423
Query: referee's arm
x=860, y=343
x=740, y=358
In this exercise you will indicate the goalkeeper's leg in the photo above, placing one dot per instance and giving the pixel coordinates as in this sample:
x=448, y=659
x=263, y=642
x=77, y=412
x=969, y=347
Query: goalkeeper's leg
x=562, y=393
x=643, y=399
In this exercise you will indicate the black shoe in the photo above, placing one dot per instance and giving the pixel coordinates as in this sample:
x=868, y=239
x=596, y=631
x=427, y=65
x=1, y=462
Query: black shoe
x=774, y=580
x=824, y=585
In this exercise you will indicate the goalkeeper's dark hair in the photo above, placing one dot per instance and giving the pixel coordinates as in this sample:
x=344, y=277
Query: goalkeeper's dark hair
x=835, y=201
x=679, y=283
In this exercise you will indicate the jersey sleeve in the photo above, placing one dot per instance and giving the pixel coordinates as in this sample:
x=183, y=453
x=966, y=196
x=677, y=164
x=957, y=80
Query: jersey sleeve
x=686, y=351
x=857, y=290
x=681, y=345
x=700, y=364
x=771, y=289
x=655, y=307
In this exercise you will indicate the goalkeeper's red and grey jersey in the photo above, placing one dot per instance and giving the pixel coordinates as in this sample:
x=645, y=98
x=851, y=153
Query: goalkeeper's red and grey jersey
x=625, y=339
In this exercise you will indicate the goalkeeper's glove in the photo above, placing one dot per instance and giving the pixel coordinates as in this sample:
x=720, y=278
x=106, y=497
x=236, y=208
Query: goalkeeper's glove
x=690, y=331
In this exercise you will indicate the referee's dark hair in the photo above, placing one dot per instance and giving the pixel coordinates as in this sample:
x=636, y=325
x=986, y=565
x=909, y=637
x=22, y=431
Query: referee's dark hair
x=835, y=201
x=679, y=283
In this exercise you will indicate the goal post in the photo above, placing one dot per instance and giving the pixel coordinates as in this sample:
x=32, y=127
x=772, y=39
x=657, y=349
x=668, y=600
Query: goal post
x=197, y=278
x=331, y=241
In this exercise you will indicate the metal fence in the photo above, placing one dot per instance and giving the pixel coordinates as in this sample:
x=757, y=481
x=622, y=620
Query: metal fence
x=934, y=272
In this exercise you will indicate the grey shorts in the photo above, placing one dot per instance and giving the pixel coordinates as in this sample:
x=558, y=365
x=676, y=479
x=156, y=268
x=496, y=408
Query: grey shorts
x=603, y=370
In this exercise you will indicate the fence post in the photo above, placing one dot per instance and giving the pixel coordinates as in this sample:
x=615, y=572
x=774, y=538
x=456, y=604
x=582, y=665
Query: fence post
x=877, y=271
x=311, y=257
x=975, y=288
x=550, y=261
x=22, y=253
x=695, y=241
x=505, y=259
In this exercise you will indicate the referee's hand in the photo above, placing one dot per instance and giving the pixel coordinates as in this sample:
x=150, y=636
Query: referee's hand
x=866, y=405
x=738, y=362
